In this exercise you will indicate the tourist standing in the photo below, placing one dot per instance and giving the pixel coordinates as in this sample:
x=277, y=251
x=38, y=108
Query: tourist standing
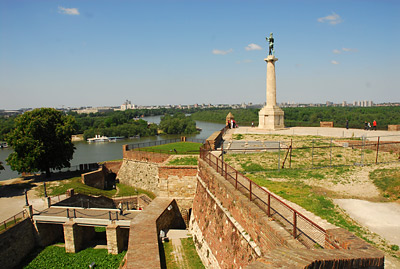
x=374, y=125
x=347, y=124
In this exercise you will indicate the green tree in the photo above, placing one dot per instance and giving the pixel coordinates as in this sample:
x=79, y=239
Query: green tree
x=178, y=124
x=41, y=141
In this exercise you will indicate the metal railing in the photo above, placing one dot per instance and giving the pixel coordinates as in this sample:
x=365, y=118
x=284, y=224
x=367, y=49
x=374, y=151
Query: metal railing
x=162, y=142
x=301, y=227
x=8, y=223
x=322, y=152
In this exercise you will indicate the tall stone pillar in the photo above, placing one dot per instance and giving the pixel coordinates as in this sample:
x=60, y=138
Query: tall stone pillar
x=271, y=116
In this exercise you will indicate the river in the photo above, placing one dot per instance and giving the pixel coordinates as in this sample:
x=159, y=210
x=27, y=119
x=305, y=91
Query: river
x=98, y=152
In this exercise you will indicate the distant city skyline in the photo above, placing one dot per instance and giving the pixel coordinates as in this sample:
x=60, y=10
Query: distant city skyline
x=99, y=53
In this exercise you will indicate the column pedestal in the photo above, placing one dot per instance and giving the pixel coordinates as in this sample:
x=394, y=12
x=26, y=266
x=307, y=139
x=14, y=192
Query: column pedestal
x=271, y=118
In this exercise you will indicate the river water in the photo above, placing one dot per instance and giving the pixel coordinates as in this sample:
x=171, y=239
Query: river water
x=98, y=152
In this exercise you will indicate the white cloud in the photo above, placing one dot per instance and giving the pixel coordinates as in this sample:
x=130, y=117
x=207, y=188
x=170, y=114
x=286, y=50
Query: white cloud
x=334, y=62
x=332, y=19
x=222, y=52
x=253, y=46
x=349, y=50
x=68, y=11
x=336, y=51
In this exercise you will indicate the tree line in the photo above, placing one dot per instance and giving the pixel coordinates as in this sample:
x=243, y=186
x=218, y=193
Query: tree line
x=311, y=116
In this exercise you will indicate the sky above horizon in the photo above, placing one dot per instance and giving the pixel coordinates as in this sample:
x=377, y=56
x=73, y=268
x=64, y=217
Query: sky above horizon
x=99, y=53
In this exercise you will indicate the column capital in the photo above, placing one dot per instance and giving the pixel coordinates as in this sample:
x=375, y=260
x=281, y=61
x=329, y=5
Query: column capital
x=271, y=58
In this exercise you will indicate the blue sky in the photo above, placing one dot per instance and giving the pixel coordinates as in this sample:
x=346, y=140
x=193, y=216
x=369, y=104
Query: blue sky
x=97, y=53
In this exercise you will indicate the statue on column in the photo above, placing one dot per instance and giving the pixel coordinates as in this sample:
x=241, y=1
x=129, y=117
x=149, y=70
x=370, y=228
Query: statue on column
x=270, y=39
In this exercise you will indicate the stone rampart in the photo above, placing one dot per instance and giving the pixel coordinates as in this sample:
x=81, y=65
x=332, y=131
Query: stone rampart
x=213, y=141
x=144, y=243
x=230, y=231
x=95, y=179
x=154, y=157
x=16, y=243
x=140, y=174
x=228, y=228
x=178, y=182
x=112, y=166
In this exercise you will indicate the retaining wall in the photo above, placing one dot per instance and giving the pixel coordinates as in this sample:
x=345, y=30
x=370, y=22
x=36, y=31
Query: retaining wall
x=231, y=232
x=16, y=243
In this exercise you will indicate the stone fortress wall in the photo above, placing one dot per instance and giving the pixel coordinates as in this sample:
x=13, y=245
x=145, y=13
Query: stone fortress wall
x=148, y=171
x=231, y=232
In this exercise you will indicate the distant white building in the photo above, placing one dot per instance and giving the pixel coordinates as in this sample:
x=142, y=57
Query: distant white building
x=127, y=105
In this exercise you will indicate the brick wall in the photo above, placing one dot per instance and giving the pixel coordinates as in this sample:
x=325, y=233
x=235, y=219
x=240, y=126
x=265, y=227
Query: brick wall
x=112, y=166
x=144, y=156
x=16, y=243
x=230, y=231
x=144, y=244
x=233, y=227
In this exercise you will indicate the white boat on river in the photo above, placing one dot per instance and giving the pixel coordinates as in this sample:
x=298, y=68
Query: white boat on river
x=98, y=138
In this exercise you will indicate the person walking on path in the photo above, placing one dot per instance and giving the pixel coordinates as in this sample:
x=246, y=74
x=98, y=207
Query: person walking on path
x=365, y=125
x=347, y=124
x=374, y=125
x=369, y=126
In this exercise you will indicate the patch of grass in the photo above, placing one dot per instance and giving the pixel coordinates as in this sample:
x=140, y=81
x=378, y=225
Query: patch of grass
x=252, y=167
x=9, y=224
x=175, y=148
x=191, y=255
x=60, y=187
x=56, y=257
x=238, y=136
x=169, y=256
x=125, y=190
x=183, y=161
x=388, y=181
x=99, y=229
x=308, y=198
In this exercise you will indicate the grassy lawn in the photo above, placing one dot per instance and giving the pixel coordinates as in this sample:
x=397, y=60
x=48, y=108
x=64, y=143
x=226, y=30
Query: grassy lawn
x=190, y=257
x=176, y=148
x=309, y=198
x=388, y=181
x=55, y=257
x=183, y=161
x=60, y=187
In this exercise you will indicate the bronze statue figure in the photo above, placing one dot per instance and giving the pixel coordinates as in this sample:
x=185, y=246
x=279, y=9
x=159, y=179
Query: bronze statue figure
x=270, y=39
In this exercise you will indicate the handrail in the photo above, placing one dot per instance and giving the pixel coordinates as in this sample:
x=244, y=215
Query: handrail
x=307, y=226
x=14, y=219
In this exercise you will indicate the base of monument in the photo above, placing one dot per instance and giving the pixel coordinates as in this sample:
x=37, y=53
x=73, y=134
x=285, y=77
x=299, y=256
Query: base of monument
x=271, y=118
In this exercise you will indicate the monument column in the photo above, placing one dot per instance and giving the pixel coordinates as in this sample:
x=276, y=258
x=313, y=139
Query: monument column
x=271, y=80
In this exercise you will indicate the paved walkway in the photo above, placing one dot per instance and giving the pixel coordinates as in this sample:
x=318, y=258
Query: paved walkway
x=319, y=131
x=380, y=218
